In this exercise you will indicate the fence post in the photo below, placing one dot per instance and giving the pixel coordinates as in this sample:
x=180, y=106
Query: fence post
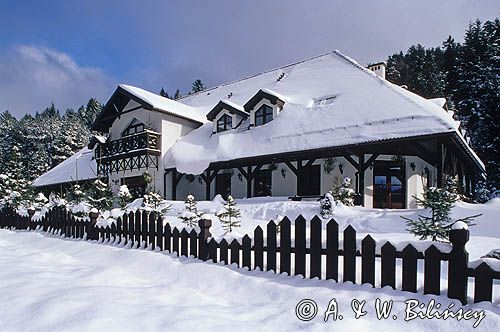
x=205, y=225
x=457, y=265
x=90, y=227
x=31, y=213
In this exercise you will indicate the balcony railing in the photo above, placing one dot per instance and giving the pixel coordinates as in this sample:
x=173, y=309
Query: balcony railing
x=128, y=153
x=145, y=141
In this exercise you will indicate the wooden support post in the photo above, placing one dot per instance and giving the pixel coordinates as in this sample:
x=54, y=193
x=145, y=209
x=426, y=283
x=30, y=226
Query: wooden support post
x=361, y=188
x=249, y=178
x=457, y=265
x=440, y=164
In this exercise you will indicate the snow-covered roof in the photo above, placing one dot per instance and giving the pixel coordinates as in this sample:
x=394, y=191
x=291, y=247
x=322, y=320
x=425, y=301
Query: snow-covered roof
x=361, y=107
x=78, y=167
x=167, y=105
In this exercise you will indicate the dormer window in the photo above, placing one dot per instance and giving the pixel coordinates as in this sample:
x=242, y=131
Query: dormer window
x=224, y=123
x=133, y=128
x=263, y=115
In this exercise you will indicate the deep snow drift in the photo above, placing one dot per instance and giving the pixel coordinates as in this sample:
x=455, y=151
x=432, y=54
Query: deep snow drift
x=52, y=284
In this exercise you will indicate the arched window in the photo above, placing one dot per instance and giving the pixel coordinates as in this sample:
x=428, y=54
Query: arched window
x=133, y=128
x=263, y=115
x=224, y=123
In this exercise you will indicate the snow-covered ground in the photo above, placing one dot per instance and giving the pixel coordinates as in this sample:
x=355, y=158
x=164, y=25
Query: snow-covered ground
x=53, y=284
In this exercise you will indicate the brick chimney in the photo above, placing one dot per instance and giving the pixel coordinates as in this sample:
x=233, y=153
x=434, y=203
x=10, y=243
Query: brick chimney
x=378, y=69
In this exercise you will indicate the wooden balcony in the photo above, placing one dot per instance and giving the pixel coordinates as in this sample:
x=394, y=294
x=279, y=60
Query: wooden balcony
x=128, y=153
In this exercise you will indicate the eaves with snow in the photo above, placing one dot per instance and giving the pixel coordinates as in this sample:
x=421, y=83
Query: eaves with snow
x=330, y=101
x=79, y=167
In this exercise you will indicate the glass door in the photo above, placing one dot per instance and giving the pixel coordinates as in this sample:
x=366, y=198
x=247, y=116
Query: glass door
x=389, y=184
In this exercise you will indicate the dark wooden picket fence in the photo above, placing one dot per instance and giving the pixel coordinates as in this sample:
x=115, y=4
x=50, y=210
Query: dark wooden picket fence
x=276, y=253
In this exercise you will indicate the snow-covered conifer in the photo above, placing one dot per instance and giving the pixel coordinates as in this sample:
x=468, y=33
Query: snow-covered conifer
x=230, y=216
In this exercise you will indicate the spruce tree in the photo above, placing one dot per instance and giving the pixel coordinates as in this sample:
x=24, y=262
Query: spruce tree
x=190, y=215
x=100, y=195
x=230, y=216
x=439, y=201
x=177, y=94
x=197, y=86
x=164, y=93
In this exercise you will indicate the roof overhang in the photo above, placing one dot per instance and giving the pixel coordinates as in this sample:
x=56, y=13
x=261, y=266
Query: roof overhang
x=115, y=108
x=221, y=105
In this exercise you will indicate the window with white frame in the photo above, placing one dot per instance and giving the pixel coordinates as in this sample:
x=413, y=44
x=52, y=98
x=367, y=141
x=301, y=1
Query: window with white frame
x=224, y=123
x=263, y=115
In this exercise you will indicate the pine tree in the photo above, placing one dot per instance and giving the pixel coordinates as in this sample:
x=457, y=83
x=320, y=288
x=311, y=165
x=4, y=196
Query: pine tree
x=177, y=94
x=164, y=93
x=76, y=194
x=153, y=201
x=100, y=195
x=90, y=112
x=229, y=217
x=197, y=86
x=190, y=216
x=440, y=201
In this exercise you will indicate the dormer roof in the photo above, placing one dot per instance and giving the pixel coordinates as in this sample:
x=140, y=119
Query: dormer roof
x=270, y=95
x=226, y=105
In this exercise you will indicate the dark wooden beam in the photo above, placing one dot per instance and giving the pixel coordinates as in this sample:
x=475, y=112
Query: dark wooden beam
x=352, y=161
x=249, y=181
x=310, y=162
x=439, y=164
x=291, y=166
x=370, y=160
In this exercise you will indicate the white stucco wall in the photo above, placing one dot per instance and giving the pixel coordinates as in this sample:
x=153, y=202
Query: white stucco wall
x=170, y=128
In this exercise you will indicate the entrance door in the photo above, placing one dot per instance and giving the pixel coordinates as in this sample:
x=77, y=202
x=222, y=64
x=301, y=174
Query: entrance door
x=389, y=182
x=308, y=180
x=223, y=184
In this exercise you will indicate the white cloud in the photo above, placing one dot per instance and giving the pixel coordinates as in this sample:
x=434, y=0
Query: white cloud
x=32, y=77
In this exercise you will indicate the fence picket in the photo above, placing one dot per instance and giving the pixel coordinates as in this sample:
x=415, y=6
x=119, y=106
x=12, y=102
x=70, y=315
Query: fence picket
x=315, y=245
x=184, y=242
x=332, y=250
x=483, y=283
x=159, y=233
x=432, y=270
x=175, y=241
x=271, y=246
x=350, y=254
x=167, y=234
x=388, y=262
x=151, y=231
x=409, y=283
x=126, y=237
x=193, y=243
x=300, y=246
x=285, y=245
x=247, y=251
x=144, y=230
x=258, y=239
x=235, y=252
x=212, y=250
x=368, y=261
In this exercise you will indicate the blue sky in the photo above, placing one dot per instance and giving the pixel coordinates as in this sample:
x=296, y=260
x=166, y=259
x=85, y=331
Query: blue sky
x=68, y=51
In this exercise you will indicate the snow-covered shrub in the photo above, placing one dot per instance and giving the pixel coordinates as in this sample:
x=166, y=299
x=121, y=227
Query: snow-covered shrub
x=343, y=193
x=76, y=194
x=482, y=193
x=495, y=253
x=100, y=195
x=326, y=205
x=229, y=216
x=56, y=200
x=190, y=216
x=439, y=201
x=154, y=202
x=124, y=196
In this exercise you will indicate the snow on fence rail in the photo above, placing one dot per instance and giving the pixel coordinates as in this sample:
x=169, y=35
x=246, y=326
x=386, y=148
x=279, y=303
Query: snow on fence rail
x=145, y=230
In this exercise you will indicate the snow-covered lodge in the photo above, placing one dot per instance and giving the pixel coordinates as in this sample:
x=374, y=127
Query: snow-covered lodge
x=294, y=131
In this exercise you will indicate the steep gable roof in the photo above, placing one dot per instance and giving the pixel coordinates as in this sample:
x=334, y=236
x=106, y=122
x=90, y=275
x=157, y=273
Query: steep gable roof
x=147, y=100
x=365, y=108
x=227, y=105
